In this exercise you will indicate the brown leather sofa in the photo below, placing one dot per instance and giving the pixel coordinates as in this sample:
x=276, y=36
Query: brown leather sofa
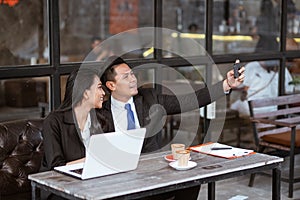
x=21, y=152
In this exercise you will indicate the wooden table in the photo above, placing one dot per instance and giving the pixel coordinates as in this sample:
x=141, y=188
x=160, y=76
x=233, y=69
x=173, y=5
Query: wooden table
x=155, y=176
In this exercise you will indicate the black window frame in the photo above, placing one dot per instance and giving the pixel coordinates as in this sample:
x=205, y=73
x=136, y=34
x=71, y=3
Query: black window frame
x=55, y=69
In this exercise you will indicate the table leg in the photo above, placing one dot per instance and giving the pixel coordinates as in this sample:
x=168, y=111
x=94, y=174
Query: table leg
x=211, y=190
x=35, y=192
x=276, y=176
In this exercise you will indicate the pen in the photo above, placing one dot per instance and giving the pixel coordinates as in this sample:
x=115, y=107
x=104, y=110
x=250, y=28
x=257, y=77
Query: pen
x=220, y=148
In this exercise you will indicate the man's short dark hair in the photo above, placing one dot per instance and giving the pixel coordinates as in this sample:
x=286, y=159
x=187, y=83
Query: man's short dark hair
x=109, y=65
x=95, y=38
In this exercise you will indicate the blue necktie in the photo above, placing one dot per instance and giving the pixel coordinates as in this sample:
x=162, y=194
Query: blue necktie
x=130, y=117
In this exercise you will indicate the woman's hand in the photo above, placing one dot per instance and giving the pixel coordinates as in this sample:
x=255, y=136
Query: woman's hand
x=76, y=161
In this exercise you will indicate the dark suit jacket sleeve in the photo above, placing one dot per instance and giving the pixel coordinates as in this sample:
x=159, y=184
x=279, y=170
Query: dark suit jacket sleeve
x=175, y=104
x=152, y=107
x=51, y=136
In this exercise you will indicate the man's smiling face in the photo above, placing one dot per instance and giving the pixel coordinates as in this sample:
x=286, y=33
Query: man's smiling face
x=125, y=84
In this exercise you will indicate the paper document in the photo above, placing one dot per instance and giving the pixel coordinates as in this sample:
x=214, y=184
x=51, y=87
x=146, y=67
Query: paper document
x=221, y=150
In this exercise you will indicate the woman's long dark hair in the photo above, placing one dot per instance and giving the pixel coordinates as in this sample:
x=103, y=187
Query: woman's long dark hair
x=77, y=83
x=67, y=102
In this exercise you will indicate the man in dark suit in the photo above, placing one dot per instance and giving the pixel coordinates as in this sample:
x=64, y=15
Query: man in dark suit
x=149, y=107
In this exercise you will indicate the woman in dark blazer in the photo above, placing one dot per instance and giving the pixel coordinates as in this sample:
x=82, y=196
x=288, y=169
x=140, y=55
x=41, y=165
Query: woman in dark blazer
x=66, y=131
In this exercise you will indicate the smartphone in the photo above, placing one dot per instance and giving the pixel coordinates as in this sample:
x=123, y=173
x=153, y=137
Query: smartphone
x=236, y=68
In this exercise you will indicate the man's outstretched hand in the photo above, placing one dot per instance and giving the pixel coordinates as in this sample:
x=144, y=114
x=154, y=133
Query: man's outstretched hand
x=231, y=82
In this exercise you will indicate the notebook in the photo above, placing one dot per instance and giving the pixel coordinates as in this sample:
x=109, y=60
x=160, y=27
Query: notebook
x=108, y=153
x=221, y=150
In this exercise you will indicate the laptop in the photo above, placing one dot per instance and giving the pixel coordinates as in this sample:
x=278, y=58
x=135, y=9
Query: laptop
x=108, y=153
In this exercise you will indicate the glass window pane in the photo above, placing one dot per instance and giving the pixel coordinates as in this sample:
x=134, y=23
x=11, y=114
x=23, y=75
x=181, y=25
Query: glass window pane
x=261, y=81
x=293, y=25
x=24, y=98
x=145, y=75
x=23, y=32
x=186, y=21
x=292, y=44
x=293, y=17
x=242, y=26
x=63, y=83
x=84, y=24
x=293, y=65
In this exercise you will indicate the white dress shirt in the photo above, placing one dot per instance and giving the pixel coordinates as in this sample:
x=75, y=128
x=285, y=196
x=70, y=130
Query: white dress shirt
x=85, y=133
x=119, y=114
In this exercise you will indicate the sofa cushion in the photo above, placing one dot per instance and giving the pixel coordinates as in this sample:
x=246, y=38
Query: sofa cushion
x=21, y=152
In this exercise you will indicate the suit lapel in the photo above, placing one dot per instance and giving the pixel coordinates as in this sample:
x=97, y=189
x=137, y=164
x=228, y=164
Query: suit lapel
x=69, y=118
x=138, y=102
x=107, y=108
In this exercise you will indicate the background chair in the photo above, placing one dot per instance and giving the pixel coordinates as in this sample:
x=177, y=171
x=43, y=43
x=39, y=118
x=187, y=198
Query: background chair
x=276, y=123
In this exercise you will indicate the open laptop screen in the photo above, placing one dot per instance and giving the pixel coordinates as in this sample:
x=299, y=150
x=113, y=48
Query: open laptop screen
x=109, y=153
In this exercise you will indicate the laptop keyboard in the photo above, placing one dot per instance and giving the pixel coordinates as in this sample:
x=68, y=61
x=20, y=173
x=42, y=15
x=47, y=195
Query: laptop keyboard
x=77, y=171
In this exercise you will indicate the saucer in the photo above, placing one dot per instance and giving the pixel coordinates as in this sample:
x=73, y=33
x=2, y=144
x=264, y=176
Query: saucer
x=190, y=165
x=169, y=158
